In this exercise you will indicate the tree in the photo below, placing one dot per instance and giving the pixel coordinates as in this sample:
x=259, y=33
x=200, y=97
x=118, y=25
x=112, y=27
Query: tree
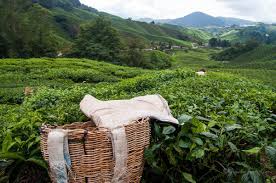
x=99, y=41
x=134, y=55
x=4, y=47
x=214, y=42
x=235, y=50
x=25, y=37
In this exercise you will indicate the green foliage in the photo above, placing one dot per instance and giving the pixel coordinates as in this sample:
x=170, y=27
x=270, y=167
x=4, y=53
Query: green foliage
x=235, y=51
x=222, y=117
x=252, y=177
x=99, y=41
x=196, y=58
x=21, y=36
x=262, y=33
x=133, y=57
x=264, y=56
x=65, y=4
x=20, y=155
x=198, y=34
x=271, y=153
x=156, y=60
x=214, y=42
x=16, y=74
x=264, y=75
x=153, y=59
x=37, y=28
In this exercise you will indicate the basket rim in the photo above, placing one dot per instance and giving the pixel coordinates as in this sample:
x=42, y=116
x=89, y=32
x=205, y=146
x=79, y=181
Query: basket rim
x=83, y=126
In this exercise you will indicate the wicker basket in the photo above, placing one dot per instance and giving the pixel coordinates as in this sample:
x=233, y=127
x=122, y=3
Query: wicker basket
x=91, y=151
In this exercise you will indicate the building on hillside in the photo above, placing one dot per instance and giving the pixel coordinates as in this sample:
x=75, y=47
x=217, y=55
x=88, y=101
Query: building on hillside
x=148, y=49
x=174, y=47
x=59, y=54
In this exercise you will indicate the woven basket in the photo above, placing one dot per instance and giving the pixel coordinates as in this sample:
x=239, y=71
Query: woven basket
x=91, y=151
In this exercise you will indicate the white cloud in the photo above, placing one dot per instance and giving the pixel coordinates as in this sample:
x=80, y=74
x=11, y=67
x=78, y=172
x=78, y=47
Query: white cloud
x=260, y=10
x=250, y=9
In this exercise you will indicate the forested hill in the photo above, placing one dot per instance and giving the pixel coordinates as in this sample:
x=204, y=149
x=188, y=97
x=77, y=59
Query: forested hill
x=34, y=28
x=263, y=33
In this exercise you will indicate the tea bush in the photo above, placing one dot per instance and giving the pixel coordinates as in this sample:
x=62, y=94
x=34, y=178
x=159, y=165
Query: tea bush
x=16, y=74
x=227, y=124
x=156, y=60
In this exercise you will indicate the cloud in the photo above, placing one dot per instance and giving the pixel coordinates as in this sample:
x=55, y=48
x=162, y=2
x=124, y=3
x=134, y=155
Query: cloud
x=259, y=10
x=250, y=9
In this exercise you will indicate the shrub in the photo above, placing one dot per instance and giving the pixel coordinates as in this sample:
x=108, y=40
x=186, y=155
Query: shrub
x=227, y=122
x=235, y=51
x=156, y=60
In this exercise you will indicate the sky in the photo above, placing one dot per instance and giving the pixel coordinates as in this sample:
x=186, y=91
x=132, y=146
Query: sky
x=256, y=10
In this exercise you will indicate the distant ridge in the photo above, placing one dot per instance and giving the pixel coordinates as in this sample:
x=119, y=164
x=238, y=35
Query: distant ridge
x=228, y=21
x=199, y=19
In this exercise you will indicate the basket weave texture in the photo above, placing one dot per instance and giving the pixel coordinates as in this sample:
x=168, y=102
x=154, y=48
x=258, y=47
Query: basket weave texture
x=91, y=151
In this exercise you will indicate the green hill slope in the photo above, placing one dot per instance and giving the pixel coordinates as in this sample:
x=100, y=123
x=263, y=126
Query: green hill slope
x=263, y=56
x=263, y=33
x=28, y=24
x=259, y=54
x=259, y=64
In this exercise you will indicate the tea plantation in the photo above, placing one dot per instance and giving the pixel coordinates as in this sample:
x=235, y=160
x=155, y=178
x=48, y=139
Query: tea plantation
x=16, y=74
x=227, y=131
x=258, y=64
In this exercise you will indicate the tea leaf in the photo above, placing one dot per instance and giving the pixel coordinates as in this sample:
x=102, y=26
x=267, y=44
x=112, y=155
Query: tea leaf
x=168, y=130
x=233, y=147
x=210, y=135
x=184, y=144
x=198, y=141
x=271, y=153
x=188, y=177
x=254, y=150
x=229, y=128
x=184, y=119
x=198, y=153
x=202, y=118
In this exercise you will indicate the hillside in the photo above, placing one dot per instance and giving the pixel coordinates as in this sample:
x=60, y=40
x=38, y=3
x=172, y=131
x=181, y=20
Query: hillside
x=263, y=33
x=258, y=64
x=195, y=33
x=250, y=55
x=263, y=56
x=38, y=24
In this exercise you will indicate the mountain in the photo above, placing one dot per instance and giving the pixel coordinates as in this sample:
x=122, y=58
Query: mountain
x=228, y=21
x=199, y=20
